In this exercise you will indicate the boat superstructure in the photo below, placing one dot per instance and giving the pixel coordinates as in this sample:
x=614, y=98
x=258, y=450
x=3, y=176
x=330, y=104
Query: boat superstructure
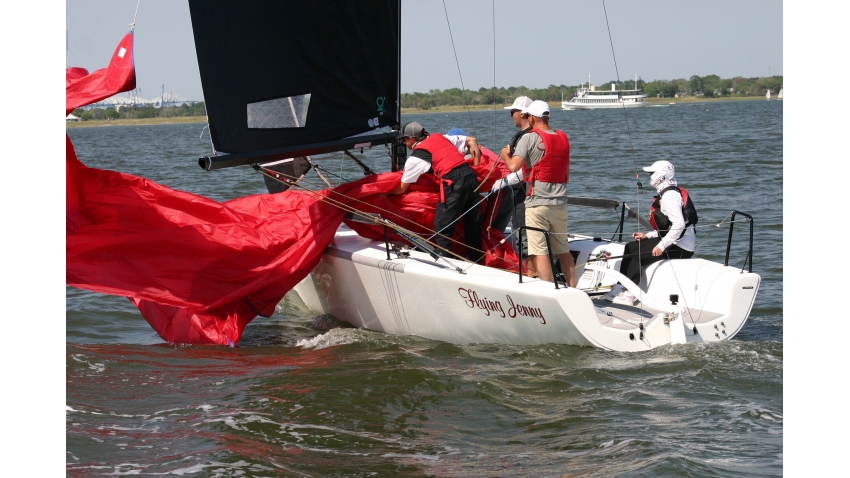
x=589, y=98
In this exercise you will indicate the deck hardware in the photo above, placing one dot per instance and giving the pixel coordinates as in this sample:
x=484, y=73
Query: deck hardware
x=640, y=326
x=632, y=337
x=724, y=331
x=722, y=325
x=696, y=332
x=715, y=327
x=674, y=299
x=641, y=335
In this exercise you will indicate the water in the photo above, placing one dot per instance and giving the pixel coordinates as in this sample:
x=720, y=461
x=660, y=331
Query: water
x=362, y=403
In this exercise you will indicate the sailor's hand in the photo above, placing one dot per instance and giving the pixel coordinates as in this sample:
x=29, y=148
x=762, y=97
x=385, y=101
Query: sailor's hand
x=476, y=153
x=656, y=251
x=639, y=236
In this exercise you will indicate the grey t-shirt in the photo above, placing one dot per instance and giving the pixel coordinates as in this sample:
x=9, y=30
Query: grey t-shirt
x=531, y=148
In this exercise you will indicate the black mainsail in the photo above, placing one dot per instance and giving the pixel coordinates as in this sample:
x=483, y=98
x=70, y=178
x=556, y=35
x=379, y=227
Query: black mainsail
x=284, y=79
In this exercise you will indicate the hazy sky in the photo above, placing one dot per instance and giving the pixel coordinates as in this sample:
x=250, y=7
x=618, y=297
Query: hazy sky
x=538, y=43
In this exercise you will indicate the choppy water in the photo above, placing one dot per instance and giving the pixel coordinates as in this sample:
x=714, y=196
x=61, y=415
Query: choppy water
x=361, y=403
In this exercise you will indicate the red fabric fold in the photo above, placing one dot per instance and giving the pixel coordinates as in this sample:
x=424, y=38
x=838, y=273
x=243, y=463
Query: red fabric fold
x=83, y=89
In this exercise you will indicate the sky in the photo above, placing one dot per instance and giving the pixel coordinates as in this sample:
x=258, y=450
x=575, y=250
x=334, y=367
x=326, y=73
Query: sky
x=555, y=42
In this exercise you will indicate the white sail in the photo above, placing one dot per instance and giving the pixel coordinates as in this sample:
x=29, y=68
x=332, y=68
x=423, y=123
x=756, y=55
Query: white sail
x=779, y=95
x=768, y=94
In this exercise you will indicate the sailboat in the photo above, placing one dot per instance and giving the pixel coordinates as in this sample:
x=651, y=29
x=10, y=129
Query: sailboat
x=767, y=96
x=279, y=89
x=779, y=95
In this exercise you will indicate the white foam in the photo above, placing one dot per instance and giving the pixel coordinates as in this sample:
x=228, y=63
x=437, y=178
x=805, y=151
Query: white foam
x=331, y=339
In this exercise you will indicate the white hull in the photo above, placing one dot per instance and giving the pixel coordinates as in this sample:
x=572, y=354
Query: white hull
x=356, y=283
x=573, y=105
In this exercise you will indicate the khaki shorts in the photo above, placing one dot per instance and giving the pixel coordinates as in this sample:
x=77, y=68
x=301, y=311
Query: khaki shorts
x=548, y=218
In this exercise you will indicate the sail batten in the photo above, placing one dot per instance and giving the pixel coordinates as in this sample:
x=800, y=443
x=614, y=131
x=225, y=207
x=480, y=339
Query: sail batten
x=297, y=75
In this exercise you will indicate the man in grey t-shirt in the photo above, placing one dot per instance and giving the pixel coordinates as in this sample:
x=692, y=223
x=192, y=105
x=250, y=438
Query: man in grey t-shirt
x=546, y=205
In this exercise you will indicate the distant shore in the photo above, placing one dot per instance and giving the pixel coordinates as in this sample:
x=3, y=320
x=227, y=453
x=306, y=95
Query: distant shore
x=132, y=122
x=439, y=109
x=557, y=104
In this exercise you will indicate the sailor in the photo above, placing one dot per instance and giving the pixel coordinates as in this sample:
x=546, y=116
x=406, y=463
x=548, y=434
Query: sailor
x=672, y=214
x=512, y=205
x=546, y=154
x=443, y=156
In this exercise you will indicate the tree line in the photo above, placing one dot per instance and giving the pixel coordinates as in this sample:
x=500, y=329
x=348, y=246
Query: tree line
x=709, y=86
x=140, y=111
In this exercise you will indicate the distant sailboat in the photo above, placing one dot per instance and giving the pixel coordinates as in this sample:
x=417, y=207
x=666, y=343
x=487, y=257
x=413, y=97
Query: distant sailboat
x=779, y=95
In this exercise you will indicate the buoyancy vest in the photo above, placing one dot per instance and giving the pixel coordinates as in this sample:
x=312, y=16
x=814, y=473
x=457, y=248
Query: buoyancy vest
x=444, y=158
x=554, y=166
x=444, y=154
x=661, y=223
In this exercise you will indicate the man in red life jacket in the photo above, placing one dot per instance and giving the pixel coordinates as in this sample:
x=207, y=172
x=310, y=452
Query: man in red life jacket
x=546, y=154
x=442, y=156
x=672, y=216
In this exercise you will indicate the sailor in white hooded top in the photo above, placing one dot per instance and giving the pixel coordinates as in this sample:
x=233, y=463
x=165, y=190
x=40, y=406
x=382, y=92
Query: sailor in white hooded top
x=668, y=216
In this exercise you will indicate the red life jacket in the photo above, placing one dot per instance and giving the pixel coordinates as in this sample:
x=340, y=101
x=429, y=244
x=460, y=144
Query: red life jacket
x=661, y=223
x=444, y=154
x=444, y=157
x=554, y=166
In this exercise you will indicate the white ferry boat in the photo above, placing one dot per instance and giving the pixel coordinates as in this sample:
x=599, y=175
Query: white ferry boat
x=591, y=99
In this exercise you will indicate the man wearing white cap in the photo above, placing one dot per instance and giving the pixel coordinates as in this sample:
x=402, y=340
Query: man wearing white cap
x=546, y=154
x=442, y=156
x=672, y=214
x=512, y=186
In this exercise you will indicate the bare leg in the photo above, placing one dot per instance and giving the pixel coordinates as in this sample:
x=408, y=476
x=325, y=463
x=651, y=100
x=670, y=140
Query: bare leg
x=568, y=267
x=531, y=267
x=544, y=268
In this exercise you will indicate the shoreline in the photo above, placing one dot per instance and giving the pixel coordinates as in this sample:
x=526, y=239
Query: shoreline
x=557, y=104
x=439, y=109
x=135, y=122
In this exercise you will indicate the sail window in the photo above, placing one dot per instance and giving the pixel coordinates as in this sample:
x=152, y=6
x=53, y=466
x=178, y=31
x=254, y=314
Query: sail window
x=287, y=112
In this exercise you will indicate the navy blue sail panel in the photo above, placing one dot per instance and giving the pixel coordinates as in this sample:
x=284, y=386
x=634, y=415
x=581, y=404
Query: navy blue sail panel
x=297, y=76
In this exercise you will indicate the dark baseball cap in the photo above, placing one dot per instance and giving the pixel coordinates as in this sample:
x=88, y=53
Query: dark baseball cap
x=412, y=130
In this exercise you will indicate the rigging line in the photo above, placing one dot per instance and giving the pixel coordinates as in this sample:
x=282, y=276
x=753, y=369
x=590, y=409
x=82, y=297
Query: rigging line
x=377, y=220
x=462, y=88
x=495, y=138
x=319, y=174
x=628, y=128
x=330, y=173
x=133, y=25
x=461, y=216
x=294, y=182
x=207, y=127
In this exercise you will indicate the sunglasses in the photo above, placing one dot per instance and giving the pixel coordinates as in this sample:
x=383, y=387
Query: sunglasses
x=514, y=111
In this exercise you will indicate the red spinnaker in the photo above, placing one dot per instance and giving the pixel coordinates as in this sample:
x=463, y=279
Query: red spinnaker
x=198, y=270
x=83, y=89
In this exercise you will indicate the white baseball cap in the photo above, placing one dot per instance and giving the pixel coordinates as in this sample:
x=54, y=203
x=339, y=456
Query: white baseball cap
x=660, y=166
x=537, y=109
x=520, y=103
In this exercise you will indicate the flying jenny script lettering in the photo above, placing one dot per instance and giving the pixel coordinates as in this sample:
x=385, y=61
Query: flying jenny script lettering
x=472, y=301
